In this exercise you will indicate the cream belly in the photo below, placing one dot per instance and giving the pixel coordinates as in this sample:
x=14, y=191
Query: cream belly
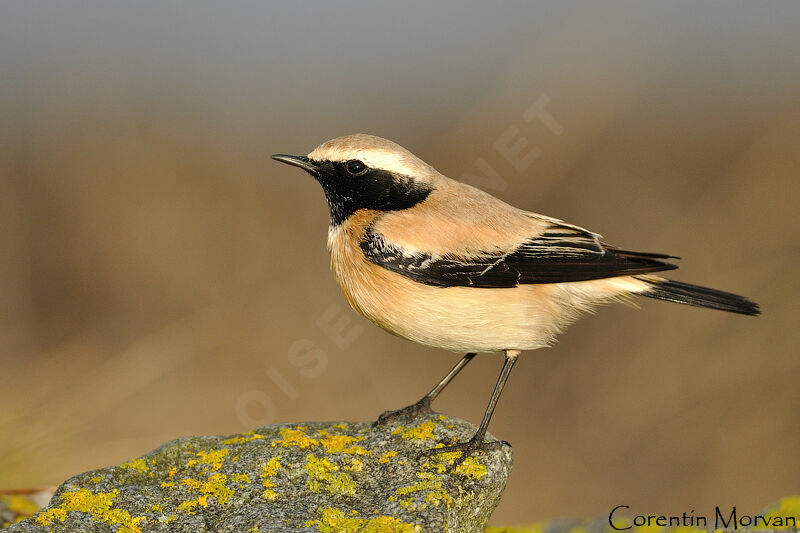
x=459, y=319
x=463, y=319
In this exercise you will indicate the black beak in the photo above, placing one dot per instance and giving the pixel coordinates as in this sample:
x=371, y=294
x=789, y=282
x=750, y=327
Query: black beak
x=297, y=161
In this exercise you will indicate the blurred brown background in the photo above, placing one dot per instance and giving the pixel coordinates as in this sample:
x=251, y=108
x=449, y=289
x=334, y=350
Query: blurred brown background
x=157, y=267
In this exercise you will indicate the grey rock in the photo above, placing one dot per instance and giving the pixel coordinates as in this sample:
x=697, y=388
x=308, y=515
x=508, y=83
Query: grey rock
x=308, y=477
x=17, y=505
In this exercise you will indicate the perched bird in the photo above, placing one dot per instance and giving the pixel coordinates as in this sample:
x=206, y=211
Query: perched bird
x=439, y=262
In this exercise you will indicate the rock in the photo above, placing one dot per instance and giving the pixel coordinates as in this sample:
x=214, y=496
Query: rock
x=17, y=505
x=311, y=477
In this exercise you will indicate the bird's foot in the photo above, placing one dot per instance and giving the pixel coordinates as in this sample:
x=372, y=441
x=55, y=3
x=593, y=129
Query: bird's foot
x=475, y=444
x=410, y=412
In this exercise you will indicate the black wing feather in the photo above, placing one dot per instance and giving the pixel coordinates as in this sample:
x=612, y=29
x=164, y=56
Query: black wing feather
x=561, y=254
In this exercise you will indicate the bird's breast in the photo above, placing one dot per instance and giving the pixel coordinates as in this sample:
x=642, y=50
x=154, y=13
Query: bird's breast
x=452, y=318
x=368, y=288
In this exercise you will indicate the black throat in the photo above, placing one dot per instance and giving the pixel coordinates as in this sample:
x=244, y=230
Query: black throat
x=378, y=190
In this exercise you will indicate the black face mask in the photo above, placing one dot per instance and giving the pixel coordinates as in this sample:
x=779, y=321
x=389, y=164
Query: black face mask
x=351, y=185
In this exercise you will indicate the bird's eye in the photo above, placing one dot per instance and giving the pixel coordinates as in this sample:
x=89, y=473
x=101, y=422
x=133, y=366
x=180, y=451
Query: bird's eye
x=355, y=167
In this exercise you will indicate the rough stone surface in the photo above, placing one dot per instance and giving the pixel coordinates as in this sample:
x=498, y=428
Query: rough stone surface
x=309, y=477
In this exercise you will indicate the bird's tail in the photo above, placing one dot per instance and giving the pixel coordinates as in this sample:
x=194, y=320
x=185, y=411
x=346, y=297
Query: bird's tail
x=684, y=293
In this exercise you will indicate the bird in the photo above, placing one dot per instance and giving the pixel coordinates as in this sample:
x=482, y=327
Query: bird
x=445, y=264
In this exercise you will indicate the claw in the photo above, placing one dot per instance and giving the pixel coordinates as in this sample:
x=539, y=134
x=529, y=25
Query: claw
x=410, y=412
x=466, y=448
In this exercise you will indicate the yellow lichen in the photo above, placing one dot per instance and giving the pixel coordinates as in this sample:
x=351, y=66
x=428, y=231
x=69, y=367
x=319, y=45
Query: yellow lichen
x=386, y=457
x=47, y=517
x=447, y=457
x=430, y=485
x=471, y=468
x=241, y=438
x=335, y=521
x=96, y=479
x=172, y=472
x=271, y=468
x=18, y=504
x=440, y=468
x=323, y=474
x=167, y=484
x=423, y=431
x=316, y=468
x=215, y=486
x=192, y=483
x=139, y=465
x=341, y=443
x=189, y=505
x=214, y=458
x=267, y=471
x=786, y=507
x=356, y=465
x=294, y=437
x=99, y=505
x=241, y=478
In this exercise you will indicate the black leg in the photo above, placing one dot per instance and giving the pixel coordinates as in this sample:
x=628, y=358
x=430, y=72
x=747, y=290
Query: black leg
x=476, y=442
x=423, y=406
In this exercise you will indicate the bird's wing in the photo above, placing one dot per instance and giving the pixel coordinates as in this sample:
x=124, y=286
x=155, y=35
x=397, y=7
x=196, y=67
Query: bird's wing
x=558, y=253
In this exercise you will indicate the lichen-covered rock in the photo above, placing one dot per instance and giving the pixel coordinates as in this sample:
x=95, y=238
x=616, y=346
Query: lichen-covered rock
x=17, y=505
x=309, y=477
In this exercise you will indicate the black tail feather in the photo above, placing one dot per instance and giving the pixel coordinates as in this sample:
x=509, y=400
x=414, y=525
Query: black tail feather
x=684, y=293
x=628, y=253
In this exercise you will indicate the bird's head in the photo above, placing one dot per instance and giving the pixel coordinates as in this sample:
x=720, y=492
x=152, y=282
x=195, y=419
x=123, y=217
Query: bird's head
x=365, y=172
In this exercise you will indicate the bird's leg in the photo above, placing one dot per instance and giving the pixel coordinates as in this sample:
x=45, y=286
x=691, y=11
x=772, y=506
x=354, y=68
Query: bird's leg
x=476, y=442
x=423, y=406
